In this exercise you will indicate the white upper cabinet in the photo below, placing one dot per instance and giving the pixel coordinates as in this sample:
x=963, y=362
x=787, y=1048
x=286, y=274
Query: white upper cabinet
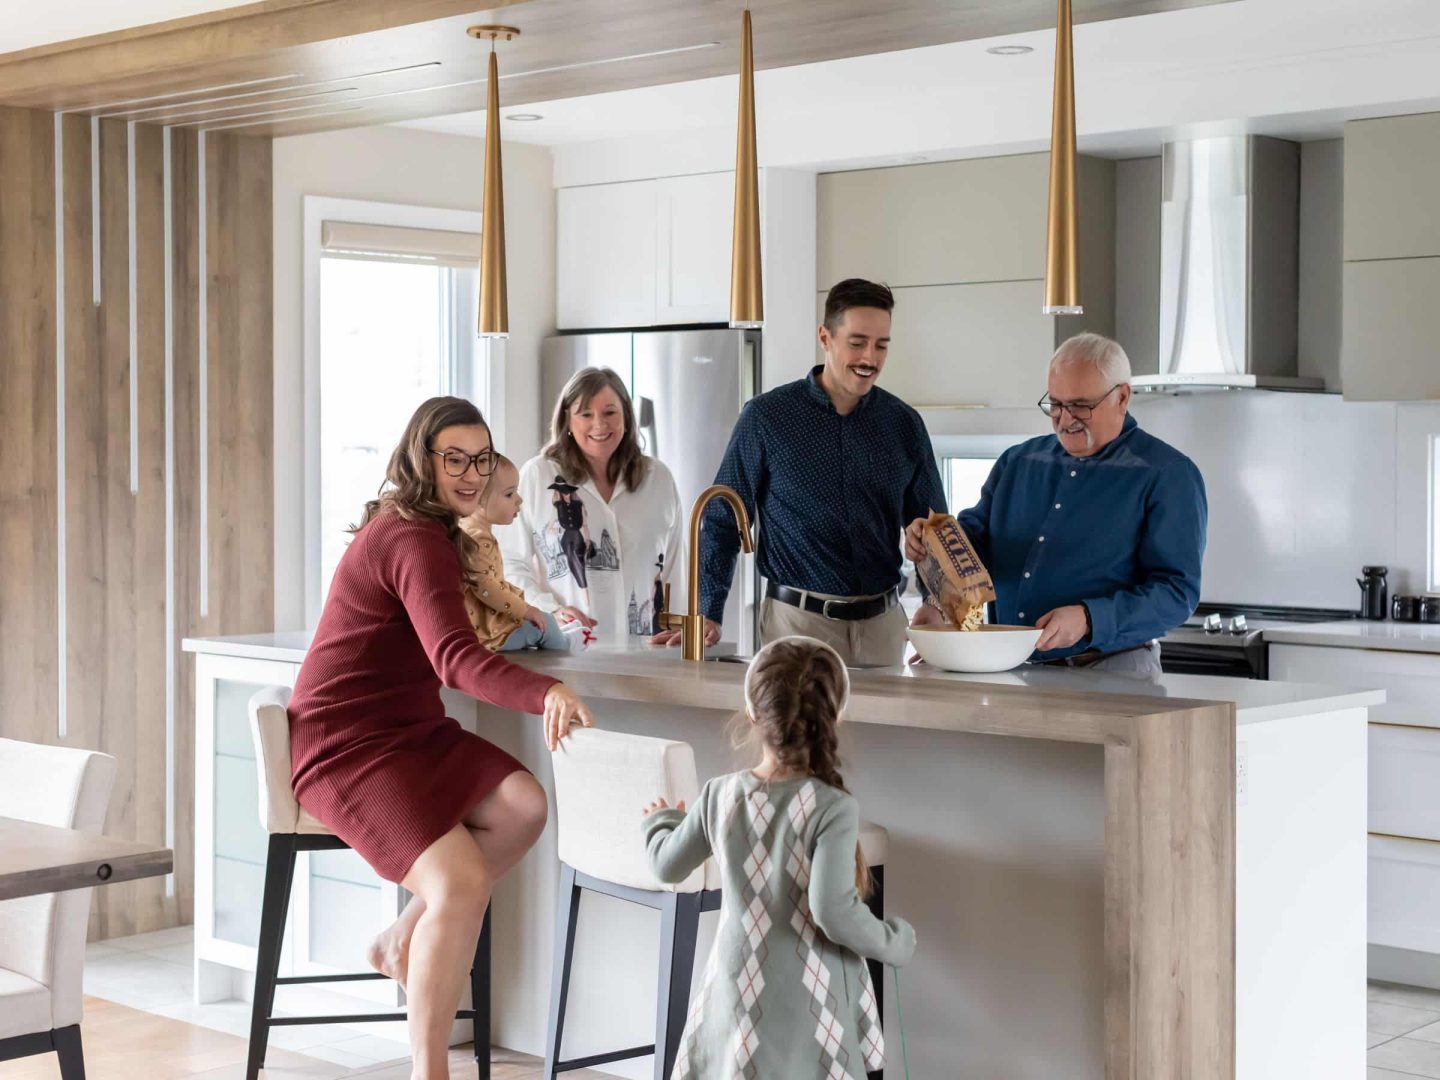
x=605, y=263
x=692, y=269
x=644, y=253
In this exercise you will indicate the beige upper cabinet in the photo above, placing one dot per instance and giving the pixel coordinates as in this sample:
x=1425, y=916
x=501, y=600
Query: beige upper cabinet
x=1392, y=183
x=942, y=224
x=963, y=245
x=1390, y=343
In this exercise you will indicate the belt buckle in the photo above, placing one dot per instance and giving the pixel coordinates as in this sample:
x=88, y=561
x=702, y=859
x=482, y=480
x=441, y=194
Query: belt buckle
x=825, y=608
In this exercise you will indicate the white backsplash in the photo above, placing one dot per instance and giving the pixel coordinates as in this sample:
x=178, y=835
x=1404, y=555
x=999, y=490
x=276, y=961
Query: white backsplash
x=1304, y=489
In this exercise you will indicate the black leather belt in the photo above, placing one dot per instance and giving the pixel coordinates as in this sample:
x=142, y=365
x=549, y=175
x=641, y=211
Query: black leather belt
x=848, y=610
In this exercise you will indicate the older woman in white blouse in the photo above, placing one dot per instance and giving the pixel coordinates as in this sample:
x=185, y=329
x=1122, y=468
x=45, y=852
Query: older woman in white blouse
x=601, y=530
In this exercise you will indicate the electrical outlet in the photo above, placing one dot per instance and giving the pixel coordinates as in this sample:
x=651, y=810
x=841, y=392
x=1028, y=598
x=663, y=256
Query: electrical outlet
x=1242, y=774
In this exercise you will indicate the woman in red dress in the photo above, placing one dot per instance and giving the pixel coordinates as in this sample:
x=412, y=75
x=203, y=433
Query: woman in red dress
x=426, y=803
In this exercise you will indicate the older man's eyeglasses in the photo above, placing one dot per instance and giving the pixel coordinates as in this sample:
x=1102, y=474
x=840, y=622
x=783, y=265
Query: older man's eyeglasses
x=457, y=462
x=1080, y=410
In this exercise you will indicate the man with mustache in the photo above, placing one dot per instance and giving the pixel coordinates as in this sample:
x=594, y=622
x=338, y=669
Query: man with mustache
x=1094, y=534
x=832, y=468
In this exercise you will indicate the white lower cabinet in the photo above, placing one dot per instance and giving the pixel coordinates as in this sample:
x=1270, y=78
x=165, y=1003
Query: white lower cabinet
x=1405, y=893
x=337, y=902
x=1404, y=781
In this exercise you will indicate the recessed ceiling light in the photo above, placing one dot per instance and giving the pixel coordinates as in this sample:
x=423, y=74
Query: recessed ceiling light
x=1009, y=50
x=524, y=117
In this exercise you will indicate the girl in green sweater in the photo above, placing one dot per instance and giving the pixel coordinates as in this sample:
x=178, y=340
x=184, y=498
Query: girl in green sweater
x=786, y=992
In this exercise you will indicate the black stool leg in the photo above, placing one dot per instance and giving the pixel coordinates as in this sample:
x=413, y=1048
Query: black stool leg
x=876, y=903
x=567, y=909
x=480, y=999
x=279, y=873
x=679, y=927
x=71, y=1054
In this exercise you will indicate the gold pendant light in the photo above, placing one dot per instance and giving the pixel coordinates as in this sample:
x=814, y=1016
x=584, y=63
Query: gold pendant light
x=747, y=301
x=1062, y=253
x=494, y=319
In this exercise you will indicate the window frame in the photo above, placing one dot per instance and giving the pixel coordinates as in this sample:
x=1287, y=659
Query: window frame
x=491, y=395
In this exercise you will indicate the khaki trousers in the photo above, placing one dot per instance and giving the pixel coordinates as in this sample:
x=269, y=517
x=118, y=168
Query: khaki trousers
x=875, y=642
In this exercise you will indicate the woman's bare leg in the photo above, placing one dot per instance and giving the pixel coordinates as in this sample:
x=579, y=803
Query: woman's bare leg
x=451, y=877
x=508, y=821
x=505, y=825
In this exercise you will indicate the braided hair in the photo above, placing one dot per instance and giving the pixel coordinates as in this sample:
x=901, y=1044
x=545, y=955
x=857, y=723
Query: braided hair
x=796, y=690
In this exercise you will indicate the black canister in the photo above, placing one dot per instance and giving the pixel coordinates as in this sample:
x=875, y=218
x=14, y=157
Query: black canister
x=1430, y=609
x=1405, y=608
x=1374, y=594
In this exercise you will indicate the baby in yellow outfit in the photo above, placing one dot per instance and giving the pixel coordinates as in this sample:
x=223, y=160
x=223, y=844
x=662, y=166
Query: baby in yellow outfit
x=503, y=619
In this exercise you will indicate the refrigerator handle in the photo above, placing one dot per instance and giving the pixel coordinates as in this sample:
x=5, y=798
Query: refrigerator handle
x=645, y=419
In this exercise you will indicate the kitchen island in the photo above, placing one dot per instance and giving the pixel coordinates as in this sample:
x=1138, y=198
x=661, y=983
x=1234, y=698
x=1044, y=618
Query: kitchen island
x=1107, y=877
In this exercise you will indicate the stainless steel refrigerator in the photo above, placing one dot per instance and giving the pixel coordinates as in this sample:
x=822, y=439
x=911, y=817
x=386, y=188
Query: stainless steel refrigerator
x=688, y=387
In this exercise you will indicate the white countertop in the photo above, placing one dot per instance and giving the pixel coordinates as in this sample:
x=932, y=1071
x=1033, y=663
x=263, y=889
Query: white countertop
x=1255, y=701
x=1362, y=634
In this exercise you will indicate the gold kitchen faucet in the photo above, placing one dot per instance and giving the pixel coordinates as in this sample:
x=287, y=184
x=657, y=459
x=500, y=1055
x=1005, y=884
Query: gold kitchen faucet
x=692, y=624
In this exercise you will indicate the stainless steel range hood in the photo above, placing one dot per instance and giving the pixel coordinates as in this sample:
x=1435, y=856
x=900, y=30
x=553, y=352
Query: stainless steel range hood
x=1229, y=267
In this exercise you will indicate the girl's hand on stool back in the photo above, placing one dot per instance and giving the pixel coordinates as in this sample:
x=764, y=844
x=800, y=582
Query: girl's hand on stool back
x=563, y=710
x=660, y=804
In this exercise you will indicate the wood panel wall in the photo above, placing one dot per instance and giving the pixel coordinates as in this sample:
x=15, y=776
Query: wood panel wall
x=116, y=641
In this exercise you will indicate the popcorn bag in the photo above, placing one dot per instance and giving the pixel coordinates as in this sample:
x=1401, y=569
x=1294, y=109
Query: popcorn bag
x=953, y=573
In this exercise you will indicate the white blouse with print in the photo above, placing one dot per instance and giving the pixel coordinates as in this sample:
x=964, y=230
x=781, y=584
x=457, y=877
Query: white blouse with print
x=610, y=560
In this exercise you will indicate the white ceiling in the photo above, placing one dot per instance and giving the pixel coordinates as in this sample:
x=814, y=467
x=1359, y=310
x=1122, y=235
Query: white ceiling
x=1296, y=68
x=25, y=23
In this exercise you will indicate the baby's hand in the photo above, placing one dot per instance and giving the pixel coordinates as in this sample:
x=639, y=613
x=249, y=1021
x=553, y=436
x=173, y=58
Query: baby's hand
x=534, y=615
x=661, y=804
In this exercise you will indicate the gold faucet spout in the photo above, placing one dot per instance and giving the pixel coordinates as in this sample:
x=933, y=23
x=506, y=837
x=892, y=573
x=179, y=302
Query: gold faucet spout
x=692, y=624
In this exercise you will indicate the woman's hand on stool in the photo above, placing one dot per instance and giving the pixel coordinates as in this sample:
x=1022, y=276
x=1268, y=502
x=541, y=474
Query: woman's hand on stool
x=563, y=710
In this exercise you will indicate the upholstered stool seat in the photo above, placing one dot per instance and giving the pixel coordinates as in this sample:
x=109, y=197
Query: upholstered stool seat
x=293, y=829
x=42, y=938
x=602, y=780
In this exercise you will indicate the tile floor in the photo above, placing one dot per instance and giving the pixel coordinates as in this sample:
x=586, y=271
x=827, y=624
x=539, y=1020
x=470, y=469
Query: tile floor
x=1404, y=1024
x=153, y=972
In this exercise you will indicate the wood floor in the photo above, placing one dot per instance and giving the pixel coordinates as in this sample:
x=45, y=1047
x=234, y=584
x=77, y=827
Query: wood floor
x=126, y=1044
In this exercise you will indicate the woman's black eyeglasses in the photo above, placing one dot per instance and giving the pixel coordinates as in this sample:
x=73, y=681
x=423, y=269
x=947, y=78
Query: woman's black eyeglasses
x=457, y=462
x=1080, y=410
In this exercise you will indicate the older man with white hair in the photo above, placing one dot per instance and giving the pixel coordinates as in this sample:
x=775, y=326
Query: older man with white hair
x=1094, y=534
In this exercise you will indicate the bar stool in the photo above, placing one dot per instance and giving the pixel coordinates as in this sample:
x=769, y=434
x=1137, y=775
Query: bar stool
x=293, y=829
x=602, y=779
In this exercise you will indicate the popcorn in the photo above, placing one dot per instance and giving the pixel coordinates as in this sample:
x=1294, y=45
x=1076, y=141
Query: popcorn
x=958, y=583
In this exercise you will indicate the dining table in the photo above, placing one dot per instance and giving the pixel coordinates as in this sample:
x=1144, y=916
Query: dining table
x=37, y=858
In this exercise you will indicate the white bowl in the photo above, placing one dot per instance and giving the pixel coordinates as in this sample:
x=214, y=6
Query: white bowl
x=990, y=648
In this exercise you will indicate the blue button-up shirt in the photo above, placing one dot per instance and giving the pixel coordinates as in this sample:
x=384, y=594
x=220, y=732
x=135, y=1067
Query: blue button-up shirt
x=1122, y=532
x=832, y=493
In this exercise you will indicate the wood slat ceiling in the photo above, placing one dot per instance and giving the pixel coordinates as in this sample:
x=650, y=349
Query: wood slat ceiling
x=287, y=67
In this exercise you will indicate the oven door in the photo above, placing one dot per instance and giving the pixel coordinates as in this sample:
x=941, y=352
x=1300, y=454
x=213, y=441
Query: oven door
x=1218, y=658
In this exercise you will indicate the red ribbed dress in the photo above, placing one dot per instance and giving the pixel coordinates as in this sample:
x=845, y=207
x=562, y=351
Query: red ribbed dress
x=374, y=756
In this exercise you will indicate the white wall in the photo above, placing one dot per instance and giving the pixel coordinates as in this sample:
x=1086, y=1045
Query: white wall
x=419, y=168
x=1304, y=489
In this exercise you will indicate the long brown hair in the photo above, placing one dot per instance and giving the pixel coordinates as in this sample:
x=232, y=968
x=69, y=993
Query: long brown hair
x=795, y=692
x=409, y=487
x=628, y=461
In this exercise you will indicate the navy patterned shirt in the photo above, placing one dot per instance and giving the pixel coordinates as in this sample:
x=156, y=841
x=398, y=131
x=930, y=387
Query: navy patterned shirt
x=832, y=494
x=1121, y=532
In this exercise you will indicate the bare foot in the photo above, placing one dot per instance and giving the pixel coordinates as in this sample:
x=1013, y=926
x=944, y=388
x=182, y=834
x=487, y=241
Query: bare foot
x=389, y=955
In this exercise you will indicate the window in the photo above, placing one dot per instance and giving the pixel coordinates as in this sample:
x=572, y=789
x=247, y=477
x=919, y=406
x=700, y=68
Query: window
x=391, y=335
x=963, y=478
x=390, y=298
